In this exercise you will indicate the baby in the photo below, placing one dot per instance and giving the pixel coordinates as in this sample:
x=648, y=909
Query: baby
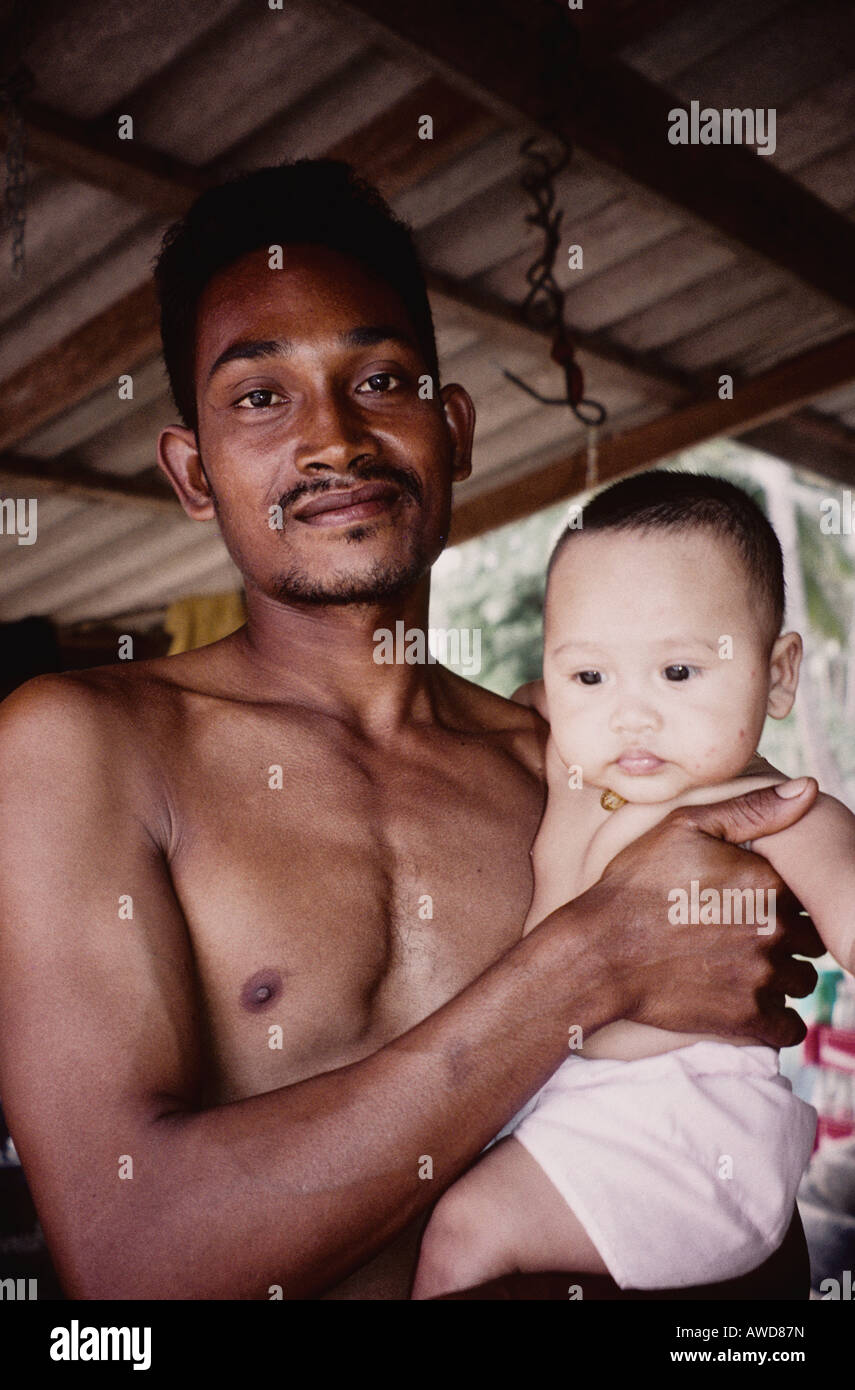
x=663, y=1159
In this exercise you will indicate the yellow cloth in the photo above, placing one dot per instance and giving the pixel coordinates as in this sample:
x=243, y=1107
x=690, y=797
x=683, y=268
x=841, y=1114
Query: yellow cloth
x=202, y=619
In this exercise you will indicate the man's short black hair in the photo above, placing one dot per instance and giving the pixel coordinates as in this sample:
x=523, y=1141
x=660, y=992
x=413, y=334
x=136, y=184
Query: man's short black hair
x=320, y=202
x=664, y=500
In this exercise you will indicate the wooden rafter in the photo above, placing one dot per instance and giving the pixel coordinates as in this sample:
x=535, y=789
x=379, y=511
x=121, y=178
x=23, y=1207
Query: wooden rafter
x=125, y=334
x=756, y=416
x=39, y=475
x=116, y=340
x=611, y=25
x=763, y=399
x=88, y=153
x=522, y=62
x=167, y=186
x=811, y=441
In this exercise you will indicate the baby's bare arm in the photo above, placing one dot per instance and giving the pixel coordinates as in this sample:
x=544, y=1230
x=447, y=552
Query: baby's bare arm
x=816, y=858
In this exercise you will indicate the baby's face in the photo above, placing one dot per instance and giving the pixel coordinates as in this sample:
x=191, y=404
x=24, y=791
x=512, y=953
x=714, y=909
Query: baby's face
x=644, y=691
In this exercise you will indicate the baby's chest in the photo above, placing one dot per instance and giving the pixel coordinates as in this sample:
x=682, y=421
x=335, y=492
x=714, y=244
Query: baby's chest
x=559, y=856
x=574, y=844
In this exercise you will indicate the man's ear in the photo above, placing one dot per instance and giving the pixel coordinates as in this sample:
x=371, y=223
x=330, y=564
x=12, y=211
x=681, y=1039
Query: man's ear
x=460, y=419
x=784, y=663
x=179, y=458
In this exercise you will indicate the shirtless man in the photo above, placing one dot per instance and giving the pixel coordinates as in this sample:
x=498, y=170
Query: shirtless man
x=174, y=1148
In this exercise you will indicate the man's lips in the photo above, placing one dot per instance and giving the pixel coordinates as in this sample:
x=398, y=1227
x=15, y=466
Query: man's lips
x=338, y=506
x=639, y=761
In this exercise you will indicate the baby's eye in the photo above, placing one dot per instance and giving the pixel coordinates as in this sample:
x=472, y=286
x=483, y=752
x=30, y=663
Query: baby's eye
x=373, y=379
x=589, y=677
x=253, y=399
x=679, y=672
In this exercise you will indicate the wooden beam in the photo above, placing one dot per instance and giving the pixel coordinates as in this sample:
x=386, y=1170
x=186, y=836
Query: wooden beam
x=385, y=147
x=114, y=341
x=806, y=439
x=497, y=315
x=149, y=492
x=611, y=25
x=387, y=150
x=765, y=398
x=86, y=152
x=522, y=57
x=811, y=441
x=127, y=332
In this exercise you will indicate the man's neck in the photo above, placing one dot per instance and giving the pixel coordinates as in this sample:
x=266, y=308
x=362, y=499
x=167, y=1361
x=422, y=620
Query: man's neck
x=324, y=655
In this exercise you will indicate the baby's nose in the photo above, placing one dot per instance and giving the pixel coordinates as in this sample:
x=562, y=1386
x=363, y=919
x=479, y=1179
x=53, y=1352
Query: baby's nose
x=635, y=715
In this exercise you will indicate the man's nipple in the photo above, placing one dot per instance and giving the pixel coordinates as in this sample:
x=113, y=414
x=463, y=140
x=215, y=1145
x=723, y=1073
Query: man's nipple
x=260, y=990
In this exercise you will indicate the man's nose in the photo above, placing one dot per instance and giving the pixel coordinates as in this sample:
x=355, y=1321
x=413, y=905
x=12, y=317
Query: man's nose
x=333, y=437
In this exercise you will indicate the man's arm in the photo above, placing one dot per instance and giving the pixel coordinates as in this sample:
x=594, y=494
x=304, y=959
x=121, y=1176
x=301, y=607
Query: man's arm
x=815, y=856
x=101, y=1058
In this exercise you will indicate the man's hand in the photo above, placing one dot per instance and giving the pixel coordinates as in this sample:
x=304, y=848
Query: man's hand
x=725, y=978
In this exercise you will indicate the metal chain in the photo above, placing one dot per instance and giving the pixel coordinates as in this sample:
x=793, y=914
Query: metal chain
x=12, y=91
x=543, y=306
x=544, y=303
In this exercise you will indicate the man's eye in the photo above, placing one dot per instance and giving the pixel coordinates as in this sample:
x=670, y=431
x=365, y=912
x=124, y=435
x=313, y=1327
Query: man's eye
x=258, y=399
x=589, y=677
x=378, y=382
x=679, y=672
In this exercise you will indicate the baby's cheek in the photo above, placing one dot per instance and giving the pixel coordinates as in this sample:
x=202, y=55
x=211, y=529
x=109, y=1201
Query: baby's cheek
x=578, y=740
x=721, y=761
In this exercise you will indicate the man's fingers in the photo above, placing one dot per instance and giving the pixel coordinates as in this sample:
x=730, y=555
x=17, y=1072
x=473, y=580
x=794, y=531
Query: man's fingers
x=803, y=939
x=780, y=1027
x=758, y=813
x=797, y=978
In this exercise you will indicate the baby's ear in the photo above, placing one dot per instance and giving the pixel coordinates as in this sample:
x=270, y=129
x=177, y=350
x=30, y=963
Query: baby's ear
x=784, y=663
x=532, y=694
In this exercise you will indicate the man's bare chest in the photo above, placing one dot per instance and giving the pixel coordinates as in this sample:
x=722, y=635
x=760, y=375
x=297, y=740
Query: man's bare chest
x=335, y=898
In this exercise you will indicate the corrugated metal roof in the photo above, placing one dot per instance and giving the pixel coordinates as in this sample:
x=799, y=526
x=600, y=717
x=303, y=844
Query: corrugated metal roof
x=235, y=85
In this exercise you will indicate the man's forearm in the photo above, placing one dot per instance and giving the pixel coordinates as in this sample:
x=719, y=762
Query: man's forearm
x=302, y=1185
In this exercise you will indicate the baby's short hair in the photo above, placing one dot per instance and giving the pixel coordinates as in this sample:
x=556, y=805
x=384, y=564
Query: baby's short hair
x=664, y=500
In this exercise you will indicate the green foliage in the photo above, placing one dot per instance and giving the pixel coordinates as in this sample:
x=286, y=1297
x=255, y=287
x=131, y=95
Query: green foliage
x=496, y=583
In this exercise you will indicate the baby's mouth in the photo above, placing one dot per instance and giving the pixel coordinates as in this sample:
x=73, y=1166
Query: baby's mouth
x=639, y=762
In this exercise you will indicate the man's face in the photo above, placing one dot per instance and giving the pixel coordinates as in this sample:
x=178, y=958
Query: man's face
x=331, y=477
x=643, y=692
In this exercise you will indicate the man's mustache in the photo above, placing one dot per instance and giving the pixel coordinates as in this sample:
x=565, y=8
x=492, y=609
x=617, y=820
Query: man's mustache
x=407, y=481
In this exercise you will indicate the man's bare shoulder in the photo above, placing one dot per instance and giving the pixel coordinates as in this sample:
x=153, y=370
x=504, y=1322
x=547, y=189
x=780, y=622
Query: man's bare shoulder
x=56, y=706
x=106, y=727
x=70, y=704
x=518, y=728
x=106, y=737
x=125, y=693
